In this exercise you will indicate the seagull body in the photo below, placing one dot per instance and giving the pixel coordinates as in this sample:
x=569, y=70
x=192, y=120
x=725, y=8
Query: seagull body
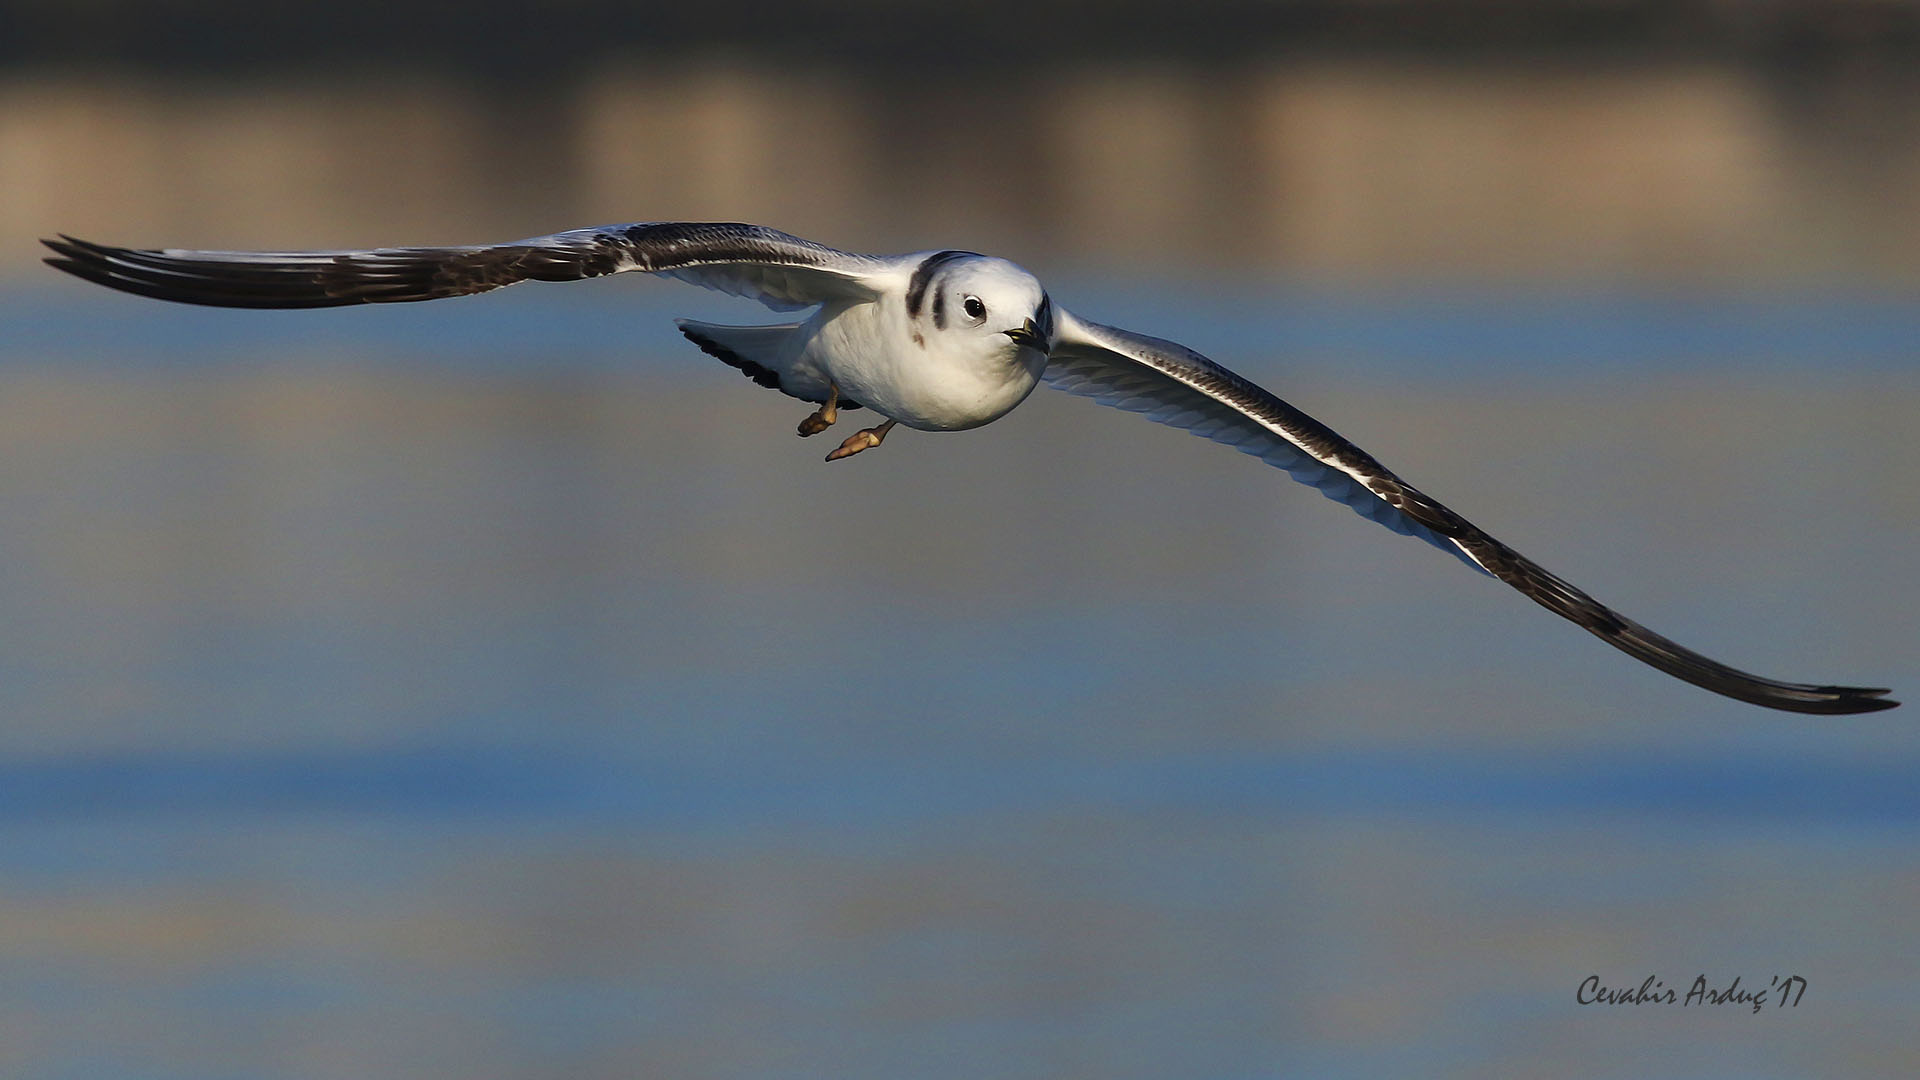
x=923, y=360
x=935, y=340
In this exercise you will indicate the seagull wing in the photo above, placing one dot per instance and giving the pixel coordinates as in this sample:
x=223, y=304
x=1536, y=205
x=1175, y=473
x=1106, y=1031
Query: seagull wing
x=781, y=271
x=1174, y=385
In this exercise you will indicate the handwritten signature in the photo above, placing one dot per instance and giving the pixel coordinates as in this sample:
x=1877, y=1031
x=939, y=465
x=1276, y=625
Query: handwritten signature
x=1784, y=991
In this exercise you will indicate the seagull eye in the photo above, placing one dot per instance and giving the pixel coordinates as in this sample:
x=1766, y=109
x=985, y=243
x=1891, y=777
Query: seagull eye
x=974, y=308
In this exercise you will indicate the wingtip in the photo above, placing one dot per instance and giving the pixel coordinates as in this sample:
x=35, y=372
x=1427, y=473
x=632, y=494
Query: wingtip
x=67, y=262
x=76, y=248
x=1872, y=701
x=1853, y=700
x=72, y=251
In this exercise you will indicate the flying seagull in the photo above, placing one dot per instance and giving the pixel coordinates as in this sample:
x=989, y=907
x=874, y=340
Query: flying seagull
x=938, y=341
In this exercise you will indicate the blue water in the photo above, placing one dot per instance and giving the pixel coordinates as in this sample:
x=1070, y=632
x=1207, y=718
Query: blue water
x=596, y=327
x=500, y=689
x=537, y=784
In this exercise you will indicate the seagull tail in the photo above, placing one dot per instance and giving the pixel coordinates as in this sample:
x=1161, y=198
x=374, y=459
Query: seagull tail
x=760, y=353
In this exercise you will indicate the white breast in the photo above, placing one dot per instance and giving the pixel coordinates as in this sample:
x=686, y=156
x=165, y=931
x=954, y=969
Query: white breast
x=931, y=381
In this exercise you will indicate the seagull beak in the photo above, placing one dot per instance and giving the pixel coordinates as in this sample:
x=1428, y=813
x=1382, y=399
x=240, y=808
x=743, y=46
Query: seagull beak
x=1028, y=335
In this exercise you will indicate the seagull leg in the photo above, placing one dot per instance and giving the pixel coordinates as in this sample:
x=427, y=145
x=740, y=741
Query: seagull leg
x=824, y=416
x=864, y=439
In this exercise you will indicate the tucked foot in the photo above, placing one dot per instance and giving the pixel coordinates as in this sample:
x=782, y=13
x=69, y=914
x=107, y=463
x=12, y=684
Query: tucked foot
x=824, y=416
x=861, y=440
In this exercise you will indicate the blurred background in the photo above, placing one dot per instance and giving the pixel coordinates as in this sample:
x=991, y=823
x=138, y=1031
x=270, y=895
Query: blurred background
x=497, y=688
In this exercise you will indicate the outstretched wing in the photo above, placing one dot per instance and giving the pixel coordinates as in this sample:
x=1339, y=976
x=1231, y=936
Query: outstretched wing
x=781, y=271
x=1174, y=385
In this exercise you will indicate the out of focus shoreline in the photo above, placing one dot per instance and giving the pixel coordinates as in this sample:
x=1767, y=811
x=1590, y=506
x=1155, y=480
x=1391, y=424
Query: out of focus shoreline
x=1512, y=168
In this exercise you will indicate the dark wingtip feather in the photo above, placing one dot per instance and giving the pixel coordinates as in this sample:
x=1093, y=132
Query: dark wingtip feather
x=75, y=248
x=66, y=247
x=1683, y=663
x=191, y=277
x=1859, y=699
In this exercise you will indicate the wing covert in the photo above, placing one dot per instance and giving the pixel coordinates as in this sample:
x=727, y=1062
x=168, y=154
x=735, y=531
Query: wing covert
x=1173, y=385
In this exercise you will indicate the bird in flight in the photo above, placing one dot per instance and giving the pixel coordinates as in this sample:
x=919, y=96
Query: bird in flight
x=938, y=341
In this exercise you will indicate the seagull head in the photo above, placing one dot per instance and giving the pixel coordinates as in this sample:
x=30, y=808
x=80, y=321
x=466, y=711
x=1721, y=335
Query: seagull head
x=995, y=302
